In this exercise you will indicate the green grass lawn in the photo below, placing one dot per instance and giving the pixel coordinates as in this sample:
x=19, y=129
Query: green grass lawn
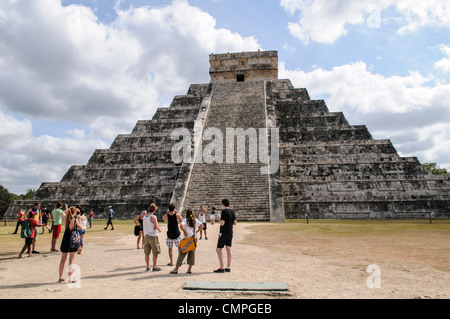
x=402, y=241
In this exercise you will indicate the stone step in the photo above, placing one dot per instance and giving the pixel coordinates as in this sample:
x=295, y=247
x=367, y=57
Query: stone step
x=233, y=105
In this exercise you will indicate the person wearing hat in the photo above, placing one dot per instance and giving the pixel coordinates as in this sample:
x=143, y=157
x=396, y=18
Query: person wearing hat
x=110, y=217
x=151, y=242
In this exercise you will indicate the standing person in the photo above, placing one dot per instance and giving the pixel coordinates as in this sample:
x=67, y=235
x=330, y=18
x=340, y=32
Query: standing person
x=172, y=218
x=36, y=210
x=29, y=240
x=201, y=216
x=71, y=222
x=57, y=217
x=213, y=214
x=83, y=220
x=110, y=217
x=138, y=223
x=45, y=218
x=151, y=242
x=20, y=219
x=190, y=226
x=91, y=217
x=227, y=221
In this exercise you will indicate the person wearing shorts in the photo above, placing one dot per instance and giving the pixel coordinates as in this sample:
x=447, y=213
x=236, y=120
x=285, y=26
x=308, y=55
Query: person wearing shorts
x=172, y=218
x=212, y=217
x=29, y=241
x=227, y=221
x=151, y=242
x=57, y=216
x=36, y=211
x=201, y=216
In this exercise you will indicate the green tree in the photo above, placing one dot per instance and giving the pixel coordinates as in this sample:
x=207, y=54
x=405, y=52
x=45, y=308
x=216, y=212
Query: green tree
x=434, y=168
x=6, y=199
x=28, y=195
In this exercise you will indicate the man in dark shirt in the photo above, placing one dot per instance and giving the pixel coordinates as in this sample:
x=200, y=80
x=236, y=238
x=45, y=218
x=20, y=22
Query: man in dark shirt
x=227, y=221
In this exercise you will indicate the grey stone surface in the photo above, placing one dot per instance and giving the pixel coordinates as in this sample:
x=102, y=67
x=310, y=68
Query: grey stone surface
x=236, y=286
x=328, y=167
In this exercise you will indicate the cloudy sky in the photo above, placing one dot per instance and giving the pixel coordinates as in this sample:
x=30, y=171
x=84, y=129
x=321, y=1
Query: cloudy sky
x=75, y=73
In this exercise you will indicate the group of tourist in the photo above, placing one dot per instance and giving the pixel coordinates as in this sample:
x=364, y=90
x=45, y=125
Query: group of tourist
x=73, y=216
x=179, y=228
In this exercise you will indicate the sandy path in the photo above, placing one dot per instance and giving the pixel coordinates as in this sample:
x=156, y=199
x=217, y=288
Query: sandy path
x=116, y=269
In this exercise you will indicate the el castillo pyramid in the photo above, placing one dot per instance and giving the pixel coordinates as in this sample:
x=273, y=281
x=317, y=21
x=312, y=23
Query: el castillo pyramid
x=298, y=158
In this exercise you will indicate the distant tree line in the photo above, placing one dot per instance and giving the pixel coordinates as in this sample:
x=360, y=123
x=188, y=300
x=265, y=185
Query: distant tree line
x=6, y=198
x=434, y=168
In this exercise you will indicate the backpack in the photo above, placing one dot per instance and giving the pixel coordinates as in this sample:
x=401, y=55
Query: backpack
x=25, y=231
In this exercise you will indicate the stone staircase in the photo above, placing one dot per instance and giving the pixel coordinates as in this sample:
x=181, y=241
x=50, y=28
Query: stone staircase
x=233, y=105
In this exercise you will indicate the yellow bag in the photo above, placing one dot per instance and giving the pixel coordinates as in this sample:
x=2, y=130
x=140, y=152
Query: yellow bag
x=188, y=244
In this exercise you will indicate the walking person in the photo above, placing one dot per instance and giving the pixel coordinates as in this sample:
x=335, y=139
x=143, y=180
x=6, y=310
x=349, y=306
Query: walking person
x=227, y=221
x=36, y=211
x=20, y=219
x=172, y=218
x=212, y=217
x=90, y=217
x=110, y=217
x=71, y=222
x=33, y=224
x=190, y=226
x=45, y=217
x=83, y=220
x=57, y=217
x=138, y=225
x=151, y=242
x=201, y=216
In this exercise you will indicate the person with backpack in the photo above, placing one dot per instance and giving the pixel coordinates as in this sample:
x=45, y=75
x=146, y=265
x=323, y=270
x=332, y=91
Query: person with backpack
x=37, y=215
x=28, y=231
x=190, y=226
x=72, y=222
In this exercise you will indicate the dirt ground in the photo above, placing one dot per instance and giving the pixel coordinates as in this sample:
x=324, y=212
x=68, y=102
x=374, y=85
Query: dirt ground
x=314, y=263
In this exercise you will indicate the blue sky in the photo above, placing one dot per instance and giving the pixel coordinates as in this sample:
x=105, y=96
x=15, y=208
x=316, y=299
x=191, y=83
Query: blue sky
x=75, y=74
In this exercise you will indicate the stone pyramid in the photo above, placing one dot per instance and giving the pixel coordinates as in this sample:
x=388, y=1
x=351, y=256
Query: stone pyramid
x=298, y=158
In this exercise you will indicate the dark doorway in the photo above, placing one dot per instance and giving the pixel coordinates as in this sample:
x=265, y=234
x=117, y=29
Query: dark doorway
x=240, y=77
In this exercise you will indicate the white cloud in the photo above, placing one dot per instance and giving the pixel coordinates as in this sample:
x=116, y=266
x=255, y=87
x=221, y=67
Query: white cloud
x=69, y=64
x=326, y=21
x=27, y=160
x=60, y=63
x=444, y=64
x=413, y=111
x=419, y=13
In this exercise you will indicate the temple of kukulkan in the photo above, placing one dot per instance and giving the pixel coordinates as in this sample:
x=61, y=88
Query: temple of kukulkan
x=255, y=139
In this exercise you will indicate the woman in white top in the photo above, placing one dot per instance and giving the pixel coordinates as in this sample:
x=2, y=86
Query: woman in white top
x=201, y=216
x=83, y=221
x=189, y=226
